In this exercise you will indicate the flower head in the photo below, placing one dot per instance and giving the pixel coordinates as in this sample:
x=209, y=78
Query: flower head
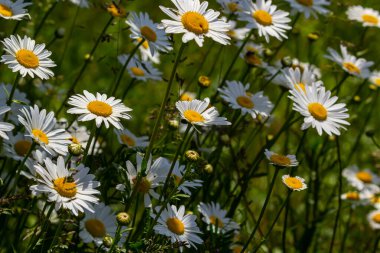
x=13, y=10
x=294, y=183
x=367, y=16
x=281, y=160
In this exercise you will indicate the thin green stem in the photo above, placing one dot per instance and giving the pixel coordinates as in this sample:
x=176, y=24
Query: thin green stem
x=47, y=13
x=86, y=151
x=116, y=239
x=9, y=101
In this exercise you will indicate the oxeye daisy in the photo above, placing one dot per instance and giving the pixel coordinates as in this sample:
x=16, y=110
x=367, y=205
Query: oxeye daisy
x=187, y=96
x=72, y=189
x=297, y=79
x=281, y=160
x=265, y=17
x=142, y=27
x=196, y=22
x=375, y=78
x=294, y=183
x=27, y=57
x=13, y=10
x=351, y=64
x=361, y=179
x=366, y=16
x=17, y=146
x=319, y=109
x=99, y=108
x=19, y=100
x=126, y=137
x=40, y=127
x=355, y=198
x=309, y=7
x=215, y=216
x=230, y=6
x=178, y=173
x=141, y=70
x=198, y=112
x=37, y=158
x=239, y=97
x=252, y=53
x=374, y=219
x=146, y=55
x=4, y=126
x=95, y=225
x=237, y=33
x=177, y=225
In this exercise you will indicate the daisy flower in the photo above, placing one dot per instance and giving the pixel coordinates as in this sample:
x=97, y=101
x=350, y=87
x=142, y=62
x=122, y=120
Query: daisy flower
x=297, y=79
x=95, y=225
x=198, y=112
x=361, y=179
x=309, y=7
x=252, y=53
x=230, y=6
x=16, y=147
x=187, y=95
x=374, y=219
x=4, y=126
x=354, y=66
x=237, y=33
x=281, y=160
x=196, y=22
x=355, y=198
x=27, y=57
x=18, y=100
x=40, y=127
x=37, y=158
x=126, y=137
x=178, y=174
x=142, y=27
x=141, y=70
x=146, y=55
x=367, y=16
x=375, y=78
x=13, y=10
x=239, y=97
x=99, y=108
x=216, y=217
x=294, y=183
x=319, y=109
x=265, y=17
x=179, y=227
x=115, y=10
x=72, y=189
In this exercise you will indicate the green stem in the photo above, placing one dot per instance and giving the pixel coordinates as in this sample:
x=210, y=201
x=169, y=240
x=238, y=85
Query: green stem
x=131, y=83
x=9, y=101
x=116, y=239
x=57, y=233
x=92, y=134
x=47, y=13
x=346, y=230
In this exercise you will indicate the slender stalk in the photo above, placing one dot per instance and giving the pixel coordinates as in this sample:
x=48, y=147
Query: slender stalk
x=376, y=244
x=9, y=101
x=57, y=233
x=92, y=134
x=338, y=86
x=346, y=230
x=47, y=13
x=116, y=239
x=129, y=86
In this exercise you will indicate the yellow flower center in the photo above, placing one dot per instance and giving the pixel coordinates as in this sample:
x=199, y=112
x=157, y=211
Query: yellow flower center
x=262, y=17
x=145, y=44
x=293, y=183
x=65, y=187
x=40, y=136
x=376, y=218
x=352, y=196
x=5, y=11
x=300, y=86
x=216, y=221
x=185, y=97
x=22, y=147
x=127, y=140
x=144, y=185
x=74, y=140
x=148, y=33
x=245, y=101
x=205, y=81
x=364, y=176
x=280, y=160
x=350, y=67
x=99, y=108
x=176, y=226
x=377, y=81
x=195, y=22
x=318, y=111
x=177, y=179
x=375, y=199
x=116, y=11
x=370, y=19
x=95, y=227
x=137, y=71
x=193, y=116
x=27, y=59
x=233, y=7
x=306, y=2
x=252, y=58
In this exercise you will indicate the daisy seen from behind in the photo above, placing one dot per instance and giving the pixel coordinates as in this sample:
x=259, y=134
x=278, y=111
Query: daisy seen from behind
x=20, y=97
x=367, y=16
x=5, y=126
x=72, y=189
x=309, y=7
x=179, y=172
x=141, y=70
x=27, y=57
x=294, y=78
x=230, y=6
x=99, y=108
x=196, y=22
x=126, y=137
x=41, y=127
x=281, y=160
x=14, y=10
x=319, y=109
x=294, y=183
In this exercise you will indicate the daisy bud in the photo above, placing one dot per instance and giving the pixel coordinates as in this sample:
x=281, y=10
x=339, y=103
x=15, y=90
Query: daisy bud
x=313, y=37
x=116, y=10
x=107, y=241
x=123, y=218
x=286, y=62
x=268, y=52
x=60, y=33
x=357, y=99
x=75, y=149
x=204, y=81
x=192, y=155
x=173, y=124
x=88, y=57
x=208, y=168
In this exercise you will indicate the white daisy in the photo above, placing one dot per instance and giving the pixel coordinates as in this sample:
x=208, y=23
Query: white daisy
x=355, y=198
x=239, y=97
x=298, y=79
x=309, y=7
x=183, y=185
x=27, y=57
x=99, y=108
x=72, y=189
x=352, y=65
x=16, y=147
x=319, y=109
x=13, y=10
x=361, y=179
x=126, y=137
x=186, y=95
x=95, y=225
x=215, y=216
x=294, y=183
x=230, y=6
x=281, y=160
x=265, y=17
x=179, y=227
x=142, y=27
x=19, y=100
x=141, y=70
x=196, y=22
x=366, y=16
x=4, y=126
x=37, y=158
x=146, y=55
x=375, y=78
x=252, y=54
x=374, y=219
x=199, y=113
x=237, y=33
x=41, y=128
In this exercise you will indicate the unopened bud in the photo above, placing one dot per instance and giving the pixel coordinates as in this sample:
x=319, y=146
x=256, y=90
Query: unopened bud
x=286, y=62
x=313, y=36
x=357, y=99
x=268, y=52
x=173, y=124
x=116, y=10
x=123, y=218
x=192, y=155
x=204, y=81
x=75, y=149
x=208, y=168
x=88, y=57
x=60, y=33
x=107, y=241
